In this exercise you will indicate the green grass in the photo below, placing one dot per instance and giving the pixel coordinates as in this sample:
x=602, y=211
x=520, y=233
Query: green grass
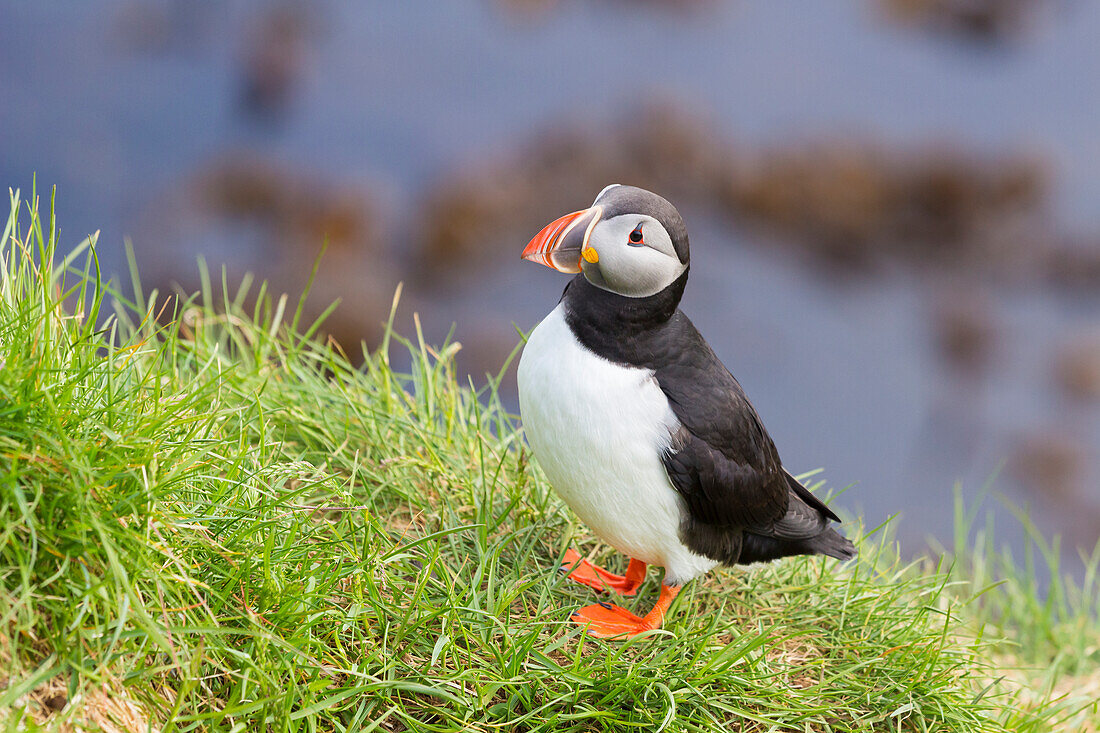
x=210, y=520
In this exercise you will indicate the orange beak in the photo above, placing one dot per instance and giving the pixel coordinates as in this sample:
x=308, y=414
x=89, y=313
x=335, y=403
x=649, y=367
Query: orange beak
x=560, y=243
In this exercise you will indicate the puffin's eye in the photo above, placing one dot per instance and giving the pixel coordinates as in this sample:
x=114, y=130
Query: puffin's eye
x=636, y=236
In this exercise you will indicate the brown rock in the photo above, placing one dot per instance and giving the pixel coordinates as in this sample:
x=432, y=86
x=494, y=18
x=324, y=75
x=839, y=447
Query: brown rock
x=286, y=218
x=1078, y=368
x=963, y=325
x=1050, y=462
x=980, y=20
x=849, y=202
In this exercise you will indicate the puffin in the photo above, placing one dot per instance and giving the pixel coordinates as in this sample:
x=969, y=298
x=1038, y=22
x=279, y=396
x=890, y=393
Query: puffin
x=638, y=425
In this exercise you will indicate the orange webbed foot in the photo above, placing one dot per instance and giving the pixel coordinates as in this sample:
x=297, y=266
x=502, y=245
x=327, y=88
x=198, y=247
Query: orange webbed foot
x=595, y=577
x=606, y=620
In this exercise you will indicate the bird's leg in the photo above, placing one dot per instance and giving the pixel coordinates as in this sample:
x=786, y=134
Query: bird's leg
x=606, y=620
x=584, y=572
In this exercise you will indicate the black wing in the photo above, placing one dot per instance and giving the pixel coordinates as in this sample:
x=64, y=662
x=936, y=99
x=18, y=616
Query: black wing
x=721, y=460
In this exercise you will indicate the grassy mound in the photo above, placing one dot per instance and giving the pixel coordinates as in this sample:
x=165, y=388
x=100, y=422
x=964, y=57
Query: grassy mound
x=210, y=520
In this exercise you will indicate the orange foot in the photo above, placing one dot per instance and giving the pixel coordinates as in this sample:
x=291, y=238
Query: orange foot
x=588, y=574
x=606, y=620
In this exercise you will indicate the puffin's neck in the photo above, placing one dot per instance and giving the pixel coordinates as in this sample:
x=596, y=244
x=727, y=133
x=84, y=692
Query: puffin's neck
x=614, y=325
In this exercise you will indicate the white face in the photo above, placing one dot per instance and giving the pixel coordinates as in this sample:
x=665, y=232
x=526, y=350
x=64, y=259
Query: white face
x=635, y=256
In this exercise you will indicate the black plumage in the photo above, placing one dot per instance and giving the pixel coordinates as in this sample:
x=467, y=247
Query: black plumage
x=742, y=505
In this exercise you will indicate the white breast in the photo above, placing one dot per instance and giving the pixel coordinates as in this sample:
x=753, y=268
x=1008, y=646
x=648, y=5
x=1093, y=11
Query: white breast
x=598, y=430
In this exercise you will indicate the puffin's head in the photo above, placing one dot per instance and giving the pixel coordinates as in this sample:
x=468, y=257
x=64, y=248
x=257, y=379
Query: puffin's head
x=630, y=241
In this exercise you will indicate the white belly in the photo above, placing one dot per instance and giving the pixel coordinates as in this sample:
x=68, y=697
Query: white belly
x=598, y=430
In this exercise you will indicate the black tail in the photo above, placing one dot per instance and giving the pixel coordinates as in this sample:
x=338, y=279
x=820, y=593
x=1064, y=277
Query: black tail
x=832, y=543
x=802, y=531
x=758, y=548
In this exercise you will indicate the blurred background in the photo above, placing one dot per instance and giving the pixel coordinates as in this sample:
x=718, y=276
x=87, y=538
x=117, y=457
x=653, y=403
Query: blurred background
x=894, y=205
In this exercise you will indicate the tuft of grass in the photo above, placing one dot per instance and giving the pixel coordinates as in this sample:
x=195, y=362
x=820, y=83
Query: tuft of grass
x=210, y=520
